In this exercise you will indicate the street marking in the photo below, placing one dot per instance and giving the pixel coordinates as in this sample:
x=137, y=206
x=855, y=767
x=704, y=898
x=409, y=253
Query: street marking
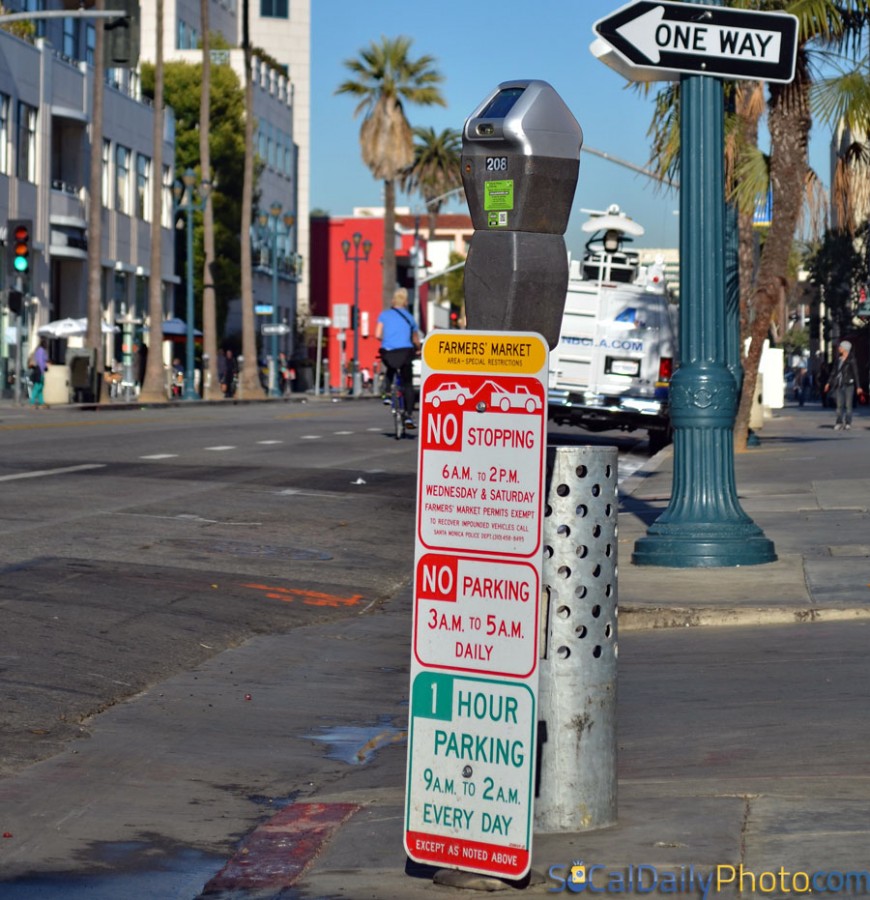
x=309, y=598
x=342, y=432
x=218, y=449
x=374, y=429
x=43, y=472
x=270, y=442
x=311, y=437
x=160, y=456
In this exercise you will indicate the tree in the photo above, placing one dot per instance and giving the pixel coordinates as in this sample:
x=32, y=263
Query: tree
x=249, y=379
x=226, y=161
x=435, y=170
x=385, y=78
x=838, y=265
x=829, y=26
x=153, y=387
x=210, y=385
x=94, y=336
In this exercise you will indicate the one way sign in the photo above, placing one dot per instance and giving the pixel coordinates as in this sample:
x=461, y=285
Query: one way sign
x=703, y=40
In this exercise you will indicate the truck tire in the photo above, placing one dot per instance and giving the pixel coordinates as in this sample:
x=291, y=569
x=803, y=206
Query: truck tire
x=659, y=438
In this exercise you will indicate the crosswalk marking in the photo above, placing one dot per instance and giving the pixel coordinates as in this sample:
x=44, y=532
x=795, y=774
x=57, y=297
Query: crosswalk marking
x=160, y=456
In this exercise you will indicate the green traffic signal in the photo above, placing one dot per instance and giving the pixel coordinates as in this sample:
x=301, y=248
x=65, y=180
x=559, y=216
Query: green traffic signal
x=19, y=244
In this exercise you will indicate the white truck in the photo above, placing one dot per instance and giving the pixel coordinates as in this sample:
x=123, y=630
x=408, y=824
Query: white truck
x=618, y=346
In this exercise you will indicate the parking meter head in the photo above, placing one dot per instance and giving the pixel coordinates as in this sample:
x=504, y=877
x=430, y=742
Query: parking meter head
x=520, y=159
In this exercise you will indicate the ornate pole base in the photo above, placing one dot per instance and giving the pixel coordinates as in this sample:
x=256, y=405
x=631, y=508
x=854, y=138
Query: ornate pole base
x=704, y=524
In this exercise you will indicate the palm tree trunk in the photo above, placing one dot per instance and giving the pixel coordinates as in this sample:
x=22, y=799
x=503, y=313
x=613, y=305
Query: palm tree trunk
x=154, y=388
x=250, y=383
x=209, y=306
x=789, y=125
x=94, y=337
x=389, y=259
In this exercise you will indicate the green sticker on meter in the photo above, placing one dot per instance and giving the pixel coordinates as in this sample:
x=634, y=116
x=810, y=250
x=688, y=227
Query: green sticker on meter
x=497, y=219
x=498, y=194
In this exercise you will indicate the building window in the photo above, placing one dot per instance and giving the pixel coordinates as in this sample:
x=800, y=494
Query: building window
x=275, y=9
x=36, y=6
x=122, y=179
x=71, y=38
x=107, y=165
x=4, y=134
x=181, y=37
x=143, y=187
x=91, y=43
x=26, y=143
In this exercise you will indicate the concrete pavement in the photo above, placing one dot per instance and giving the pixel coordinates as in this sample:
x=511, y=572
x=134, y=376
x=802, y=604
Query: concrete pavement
x=277, y=768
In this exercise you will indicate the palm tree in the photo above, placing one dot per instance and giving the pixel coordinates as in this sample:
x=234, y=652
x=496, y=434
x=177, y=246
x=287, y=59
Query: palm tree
x=94, y=337
x=248, y=377
x=209, y=306
x=385, y=77
x=153, y=388
x=824, y=25
x=435, y=170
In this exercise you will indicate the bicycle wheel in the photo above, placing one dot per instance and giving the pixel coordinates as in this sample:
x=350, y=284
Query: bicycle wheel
x=399, y=421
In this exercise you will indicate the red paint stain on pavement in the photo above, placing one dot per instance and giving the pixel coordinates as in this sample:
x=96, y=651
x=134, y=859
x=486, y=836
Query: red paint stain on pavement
x=277, y=852
x=309, y=598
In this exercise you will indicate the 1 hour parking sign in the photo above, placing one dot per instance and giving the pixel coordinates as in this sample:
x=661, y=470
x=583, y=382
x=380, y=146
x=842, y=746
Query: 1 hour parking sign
x=474, y=667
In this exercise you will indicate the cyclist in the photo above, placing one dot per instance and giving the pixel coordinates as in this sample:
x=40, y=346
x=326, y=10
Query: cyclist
x=400, y=340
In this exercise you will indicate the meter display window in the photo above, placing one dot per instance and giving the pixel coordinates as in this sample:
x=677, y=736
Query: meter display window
x=502, y=103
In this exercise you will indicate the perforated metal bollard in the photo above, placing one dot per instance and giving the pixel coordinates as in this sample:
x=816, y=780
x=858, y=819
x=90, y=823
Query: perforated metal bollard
x=576, y=788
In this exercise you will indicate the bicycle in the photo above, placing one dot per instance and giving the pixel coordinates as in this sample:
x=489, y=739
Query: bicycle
x=397, y=407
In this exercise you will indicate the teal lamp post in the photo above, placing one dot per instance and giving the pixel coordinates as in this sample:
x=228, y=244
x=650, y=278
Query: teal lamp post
x=189, y=199
x=704, y=524
x=271, y=229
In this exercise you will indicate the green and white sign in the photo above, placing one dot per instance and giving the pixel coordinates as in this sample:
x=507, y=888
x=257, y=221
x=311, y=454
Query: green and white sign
x=470, y=780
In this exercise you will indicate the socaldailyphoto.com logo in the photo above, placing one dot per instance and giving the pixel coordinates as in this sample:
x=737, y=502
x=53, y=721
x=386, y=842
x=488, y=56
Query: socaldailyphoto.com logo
x=579, y=877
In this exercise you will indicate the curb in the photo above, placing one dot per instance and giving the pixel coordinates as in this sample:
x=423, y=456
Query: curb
x=640, y=618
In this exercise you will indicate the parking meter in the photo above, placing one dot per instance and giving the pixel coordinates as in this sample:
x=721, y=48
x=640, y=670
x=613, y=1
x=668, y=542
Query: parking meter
x=520, y=160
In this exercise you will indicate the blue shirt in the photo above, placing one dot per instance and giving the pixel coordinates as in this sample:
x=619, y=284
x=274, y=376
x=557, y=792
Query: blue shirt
x=398, y=329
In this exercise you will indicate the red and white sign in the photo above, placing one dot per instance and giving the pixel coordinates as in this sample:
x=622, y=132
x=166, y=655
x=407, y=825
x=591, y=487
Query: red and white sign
x=477, y=591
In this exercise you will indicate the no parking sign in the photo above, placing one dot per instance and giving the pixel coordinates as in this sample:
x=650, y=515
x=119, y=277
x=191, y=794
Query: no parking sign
x=474, y=672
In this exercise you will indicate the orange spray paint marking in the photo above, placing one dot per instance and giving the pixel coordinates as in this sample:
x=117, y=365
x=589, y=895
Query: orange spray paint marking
x=309, y=598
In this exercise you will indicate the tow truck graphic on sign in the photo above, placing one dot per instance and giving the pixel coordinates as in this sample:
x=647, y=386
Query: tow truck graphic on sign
x=482, y=451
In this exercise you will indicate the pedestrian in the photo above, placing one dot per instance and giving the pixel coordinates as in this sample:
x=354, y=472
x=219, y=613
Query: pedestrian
x=229, y=375
x=400, y=339
x=177, y=377
x=38, y=364
x=843, y=381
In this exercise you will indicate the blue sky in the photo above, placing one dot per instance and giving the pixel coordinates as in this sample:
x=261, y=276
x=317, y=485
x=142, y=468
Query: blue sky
x=476, y=46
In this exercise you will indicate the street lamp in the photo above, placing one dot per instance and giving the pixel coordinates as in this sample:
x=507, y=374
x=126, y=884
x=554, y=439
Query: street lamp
x=188, y=199
x=270, y=227
x=356, y=259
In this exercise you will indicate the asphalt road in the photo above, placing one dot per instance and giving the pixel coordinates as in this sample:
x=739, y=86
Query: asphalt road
x=134, y=544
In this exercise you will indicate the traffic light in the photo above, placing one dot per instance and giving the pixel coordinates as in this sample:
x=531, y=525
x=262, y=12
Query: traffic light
x=15, y=302
x=18, y=233
x=122, y=37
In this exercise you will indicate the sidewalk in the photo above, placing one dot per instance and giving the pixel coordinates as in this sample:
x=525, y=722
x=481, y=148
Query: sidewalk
x=736, y=745
x=757, y=792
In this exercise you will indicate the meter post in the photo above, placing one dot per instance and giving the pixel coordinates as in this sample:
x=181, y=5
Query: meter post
x=520, y=162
